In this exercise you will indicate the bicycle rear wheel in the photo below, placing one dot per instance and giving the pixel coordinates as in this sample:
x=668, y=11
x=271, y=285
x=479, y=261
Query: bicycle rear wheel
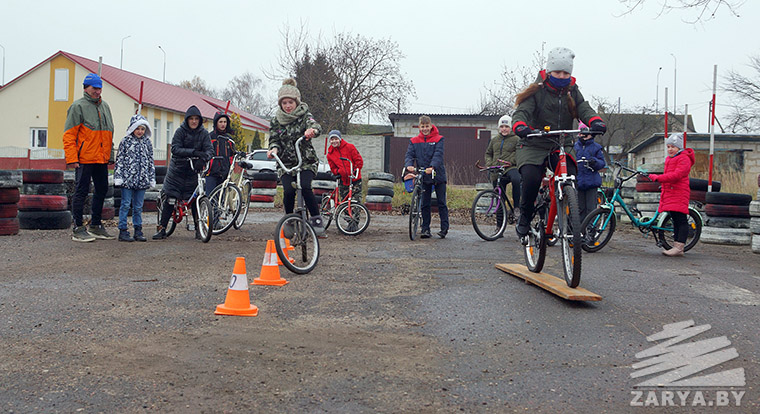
x=489, y=215
x=226, y=201
x=568, y=220
x=327, y=207
x=171, y=225
x=415, y=213
x=695, y=231
x=535, y=249
x=597, y=230
x=299, y=234
x=245, y=197
x=352, y=221
x=204, y=219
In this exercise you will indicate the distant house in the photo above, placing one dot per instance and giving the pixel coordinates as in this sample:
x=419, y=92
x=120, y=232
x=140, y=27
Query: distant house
x=34, y=108
x=625, y=131
x=466, y=137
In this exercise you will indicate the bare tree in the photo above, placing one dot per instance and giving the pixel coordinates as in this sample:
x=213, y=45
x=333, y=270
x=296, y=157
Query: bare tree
x=244, y=91
x=703, y=9
x=745, y=103
x=500, y=98
x=196, y=84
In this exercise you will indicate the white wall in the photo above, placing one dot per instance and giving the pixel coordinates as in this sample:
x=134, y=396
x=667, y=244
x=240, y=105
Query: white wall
x=24, y=105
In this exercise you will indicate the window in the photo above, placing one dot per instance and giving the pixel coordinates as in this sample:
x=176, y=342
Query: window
x=156, y=132
x=61, y=85
x=39, y=138
x=169, y=128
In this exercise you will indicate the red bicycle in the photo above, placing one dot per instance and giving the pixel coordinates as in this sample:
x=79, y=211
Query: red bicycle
x=351, y=216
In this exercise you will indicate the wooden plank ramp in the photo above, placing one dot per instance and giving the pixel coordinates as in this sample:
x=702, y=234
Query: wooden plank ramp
x=548, y=282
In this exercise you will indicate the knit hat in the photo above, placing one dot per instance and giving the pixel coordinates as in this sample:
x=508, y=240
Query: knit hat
x=135, y=122
x=334, y=133
x=505, y=120
x=289, y=90
x=675, y=140
x=560, y=59
x=93, y=80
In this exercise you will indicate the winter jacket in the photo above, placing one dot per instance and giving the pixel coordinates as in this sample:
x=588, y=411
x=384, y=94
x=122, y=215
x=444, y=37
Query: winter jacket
x=134, y=167
x=283, y=136
x=88, y=132
x=224, y=147
x=427, y=151
x=549, y=106
x=339, y=166
x=502, y=148
x=181, y=180
x=675, y=182
x=592, y=151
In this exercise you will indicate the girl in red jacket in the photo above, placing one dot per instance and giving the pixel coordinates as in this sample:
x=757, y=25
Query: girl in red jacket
x=675, y=190
x=342, y=149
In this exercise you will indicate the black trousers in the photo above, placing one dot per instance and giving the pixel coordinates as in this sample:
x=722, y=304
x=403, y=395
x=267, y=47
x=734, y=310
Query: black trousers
x=532, y=175
x=512, y=176
x=680, y=226
x=289, y=192
x=98, y=174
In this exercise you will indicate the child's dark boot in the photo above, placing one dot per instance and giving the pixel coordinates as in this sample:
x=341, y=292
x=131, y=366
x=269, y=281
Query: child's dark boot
x=139, y=236
x=124, y=236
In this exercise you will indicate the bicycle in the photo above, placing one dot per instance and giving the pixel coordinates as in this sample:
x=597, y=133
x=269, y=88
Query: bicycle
x=296, y=227
x=558, y=198
x=351, y=216
x=229, y=200
x=202, y=204
x=415, y=205
x=491, y=210
x=600, y=223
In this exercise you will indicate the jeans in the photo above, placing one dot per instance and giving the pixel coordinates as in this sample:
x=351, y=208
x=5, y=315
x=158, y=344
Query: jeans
x=212, y=182
x=443, y=209
x=134, y=199
x=98, y=173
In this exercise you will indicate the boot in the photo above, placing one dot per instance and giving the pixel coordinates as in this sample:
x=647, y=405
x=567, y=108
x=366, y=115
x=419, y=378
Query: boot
x=676, y=250
x=139, y=236
x=124, y=236
x=318, y=223
x=197, y=231
x=160, y=234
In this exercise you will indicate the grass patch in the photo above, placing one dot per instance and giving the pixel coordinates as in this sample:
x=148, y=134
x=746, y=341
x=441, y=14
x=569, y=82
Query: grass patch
x=457, y=196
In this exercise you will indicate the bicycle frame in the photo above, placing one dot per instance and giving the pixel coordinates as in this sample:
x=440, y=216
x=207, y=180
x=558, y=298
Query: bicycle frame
x=335, y=193
x=501, y=171
x=181, y=206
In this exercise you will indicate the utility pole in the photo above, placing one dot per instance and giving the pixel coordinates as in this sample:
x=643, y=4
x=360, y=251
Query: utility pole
x=121, y=62
x=162, y=50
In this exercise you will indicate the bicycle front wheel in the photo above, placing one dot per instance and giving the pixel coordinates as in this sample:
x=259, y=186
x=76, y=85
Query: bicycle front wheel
x=352, y=221
x=296, y=240
x=597, y=230
x=489, y=215
x=326, y=208
x=226, y=201
x=245, y=197
x=692, y=237
x=568, y=220
x=415, y=213
x=171, y=225
x=204, y=219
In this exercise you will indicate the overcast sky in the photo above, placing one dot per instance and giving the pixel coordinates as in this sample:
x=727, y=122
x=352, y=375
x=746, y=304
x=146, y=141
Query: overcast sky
x=452, y=48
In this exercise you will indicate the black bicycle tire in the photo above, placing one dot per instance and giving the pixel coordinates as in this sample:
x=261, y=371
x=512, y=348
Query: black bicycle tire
x=414, y=213
x=325, y=209
x=204, y=225
x=344, y=206
x=282, y=254
x=226, y=187
x=171, y=225
x=571, y=255
x=610, y=230
x=539, y=227
x=473, y=212
x=244, y=205
x=698, y=224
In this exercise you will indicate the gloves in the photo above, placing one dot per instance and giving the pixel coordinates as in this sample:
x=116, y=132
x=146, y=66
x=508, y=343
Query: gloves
x=241, y=154
x=118, y=182
x=153, y=183
x=598, y=126
x=198, y=165
x=199, y=154
x=522, y=131
x=652, y=177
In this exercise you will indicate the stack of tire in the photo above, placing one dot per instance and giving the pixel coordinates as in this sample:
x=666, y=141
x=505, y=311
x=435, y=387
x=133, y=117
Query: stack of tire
x=647, y=196
x=754, y=221
x=10, y=182
x=263, y=188
x=322, y=184
x=698, y=194
x=43, y=204
x=379, y=191
x=728, y=219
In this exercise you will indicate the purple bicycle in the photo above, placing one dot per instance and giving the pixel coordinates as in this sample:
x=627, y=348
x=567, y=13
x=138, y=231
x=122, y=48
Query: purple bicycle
x=491, y=209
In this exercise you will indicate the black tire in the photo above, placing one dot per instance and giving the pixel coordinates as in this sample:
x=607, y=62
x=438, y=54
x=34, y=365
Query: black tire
x=724, y=210
x=571, y=244
x=701, y=185
x=353, y=221
x=42, y=176
x=489, y=215
x=226, y=202
x=379, y=199
x=204, y=218
x=597, y=230
x=9, y=210
x=324, y=176
x=33, y=202
x=265, y=176
x=648, y=187
x=171, y=225
x=44, y=220
x=728, y=222
x=327, y=208
x=11, y=179
x=695, y=231
x=380, y=191
x=9, y=195
x=535, y=249
x=733, y=199
x=245, y=194
x=380, y=184
x=379, y=175
x=304, y=242
x=415, y=214
x=9, y=226
x=44, y=189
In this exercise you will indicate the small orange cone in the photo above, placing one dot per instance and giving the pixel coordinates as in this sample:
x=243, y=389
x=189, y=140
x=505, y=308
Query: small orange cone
x=238, y=301
x=270, y=272
x=285, y=243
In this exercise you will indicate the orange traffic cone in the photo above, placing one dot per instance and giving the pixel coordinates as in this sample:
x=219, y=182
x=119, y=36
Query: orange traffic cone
x=286, y=247
x=238, y=301
x=270, y=273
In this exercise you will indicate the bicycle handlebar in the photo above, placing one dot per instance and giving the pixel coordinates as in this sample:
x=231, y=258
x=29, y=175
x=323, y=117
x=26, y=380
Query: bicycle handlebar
x=630, y=170
x=562, y=132
x=298, y=155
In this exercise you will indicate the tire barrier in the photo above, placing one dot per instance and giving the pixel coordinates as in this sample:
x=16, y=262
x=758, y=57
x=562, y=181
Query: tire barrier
x=728, y=199
x=729, y=236
x=648, y=187
x=45, y=220
x=258, y=198
x=43, y=189
x=263, y=184
x=264, y=188
x=9, y=226
x=9, y=195
x=647, y=197
x=33, y=202
x=728, y=222
x=701, y=185
x=11, y=179
x=380, y=191
x=723, y=210
x=379, y=199
x=264, y=191
x=379, y=206
x=42, y=176
x=10, y=182
x=379, y=175
x=9, y=210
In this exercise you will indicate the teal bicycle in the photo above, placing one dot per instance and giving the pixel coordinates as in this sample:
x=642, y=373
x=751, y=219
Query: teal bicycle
x=600, y=224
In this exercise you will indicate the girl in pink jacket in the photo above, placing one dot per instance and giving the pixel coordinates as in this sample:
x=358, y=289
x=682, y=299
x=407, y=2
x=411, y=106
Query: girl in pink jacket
x=675, y=190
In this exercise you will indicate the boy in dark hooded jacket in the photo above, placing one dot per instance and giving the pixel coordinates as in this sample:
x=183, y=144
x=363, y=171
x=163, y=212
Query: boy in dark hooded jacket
x=224, y=151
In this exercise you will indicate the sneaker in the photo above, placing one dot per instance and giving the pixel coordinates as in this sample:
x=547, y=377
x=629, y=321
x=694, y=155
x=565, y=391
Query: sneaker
x=80, y=234
x=425, y=234
x=124, y=236
x=99, y=232
x=160, y=234
x=442, y=234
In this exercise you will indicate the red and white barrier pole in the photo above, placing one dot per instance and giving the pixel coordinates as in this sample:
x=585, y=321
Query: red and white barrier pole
x=139, y=102
x=665, y=138
x=712, y=130
x=685, y=123
x=227, y=108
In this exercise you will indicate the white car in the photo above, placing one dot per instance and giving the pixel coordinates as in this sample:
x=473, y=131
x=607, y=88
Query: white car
x=258, y=159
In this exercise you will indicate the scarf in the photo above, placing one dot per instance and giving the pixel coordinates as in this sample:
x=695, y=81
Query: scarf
x=285, y=118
